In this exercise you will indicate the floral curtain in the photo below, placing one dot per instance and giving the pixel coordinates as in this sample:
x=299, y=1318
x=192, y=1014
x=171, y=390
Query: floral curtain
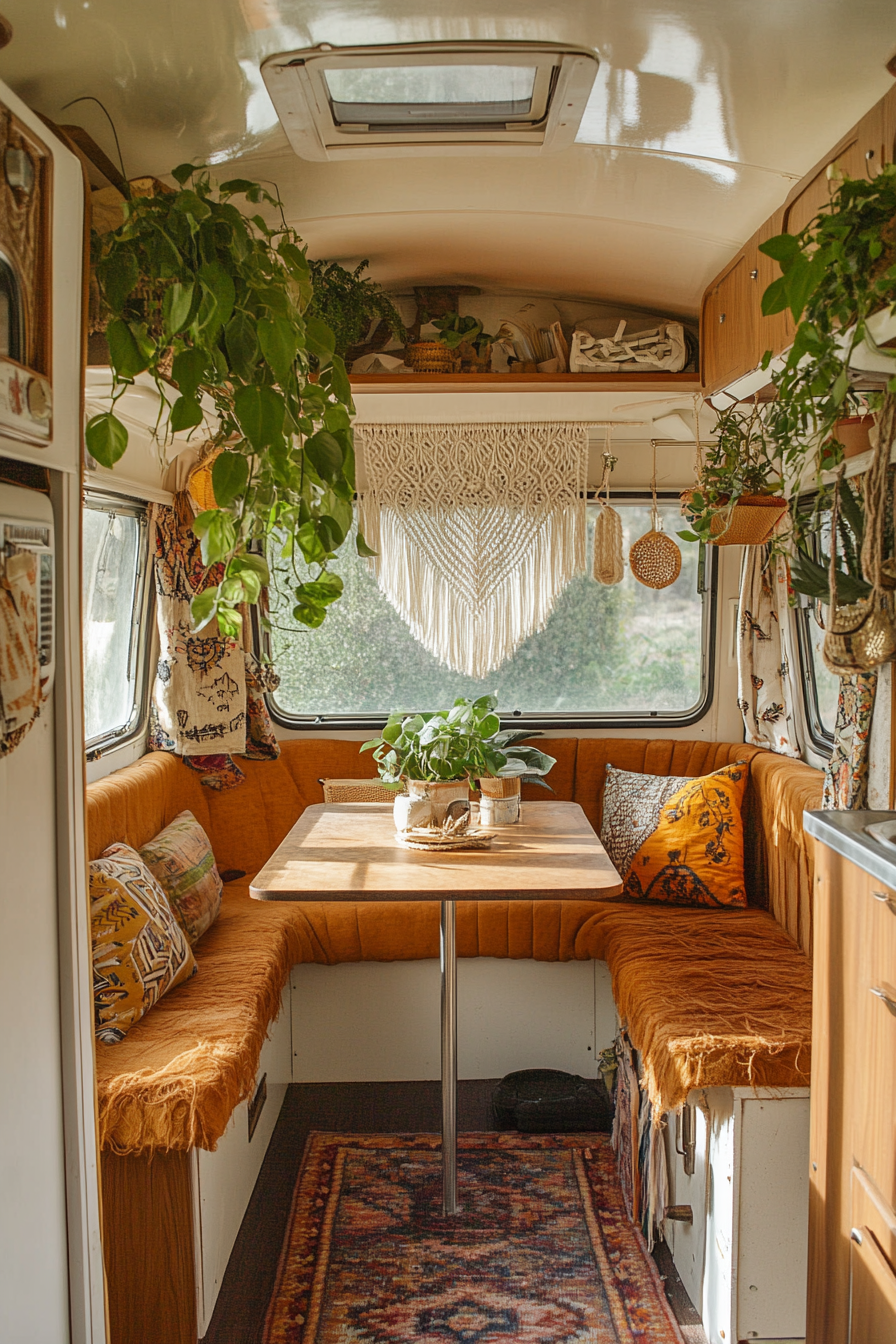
x=767, y=669
x=846, y=774
x=208, y=696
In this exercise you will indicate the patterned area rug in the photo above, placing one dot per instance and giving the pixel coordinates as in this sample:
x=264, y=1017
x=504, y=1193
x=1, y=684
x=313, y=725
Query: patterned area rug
x=542, y=1252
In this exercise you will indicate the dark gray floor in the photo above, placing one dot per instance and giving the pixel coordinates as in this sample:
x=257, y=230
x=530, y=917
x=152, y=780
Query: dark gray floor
x=373, y=1108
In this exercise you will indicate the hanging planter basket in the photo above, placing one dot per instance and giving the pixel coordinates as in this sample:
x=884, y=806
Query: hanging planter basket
x=751, y=521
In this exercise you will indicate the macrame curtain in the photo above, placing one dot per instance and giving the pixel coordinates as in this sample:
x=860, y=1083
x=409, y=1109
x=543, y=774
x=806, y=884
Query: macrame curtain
x=208, y=695
x=767, y=665
x=478, y=528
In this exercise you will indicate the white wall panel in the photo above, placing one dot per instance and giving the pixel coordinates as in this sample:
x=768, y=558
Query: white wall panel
x=379, y=1021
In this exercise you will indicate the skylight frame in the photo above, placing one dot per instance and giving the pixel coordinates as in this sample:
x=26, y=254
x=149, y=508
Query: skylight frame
x=298, y=87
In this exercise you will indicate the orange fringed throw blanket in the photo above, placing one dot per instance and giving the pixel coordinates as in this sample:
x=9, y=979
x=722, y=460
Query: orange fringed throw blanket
x=710, y=998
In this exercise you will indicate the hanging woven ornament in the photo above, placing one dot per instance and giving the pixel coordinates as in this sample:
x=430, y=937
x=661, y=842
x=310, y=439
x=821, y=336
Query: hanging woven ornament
x=608, y=564
x=655, y=559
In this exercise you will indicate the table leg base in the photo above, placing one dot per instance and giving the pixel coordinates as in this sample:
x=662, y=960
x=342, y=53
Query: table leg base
x=449, y=1059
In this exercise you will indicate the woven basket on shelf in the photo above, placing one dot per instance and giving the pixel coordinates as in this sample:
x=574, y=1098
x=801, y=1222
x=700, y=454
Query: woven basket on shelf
x=655, y=560
x=431, y=357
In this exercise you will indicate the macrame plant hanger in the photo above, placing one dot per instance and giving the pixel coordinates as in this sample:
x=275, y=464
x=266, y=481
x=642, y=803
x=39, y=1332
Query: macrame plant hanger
x=608, y=562
x=654, y=558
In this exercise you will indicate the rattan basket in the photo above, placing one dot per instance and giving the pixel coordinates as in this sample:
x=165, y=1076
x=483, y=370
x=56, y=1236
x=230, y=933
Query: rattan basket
x=357, y=791
x=750, y=522
x=431, y=357
x=655, y=560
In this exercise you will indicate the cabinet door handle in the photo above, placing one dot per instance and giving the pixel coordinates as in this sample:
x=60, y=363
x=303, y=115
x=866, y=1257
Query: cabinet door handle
x=885, y=899
x=721, y=317
x=884, y=997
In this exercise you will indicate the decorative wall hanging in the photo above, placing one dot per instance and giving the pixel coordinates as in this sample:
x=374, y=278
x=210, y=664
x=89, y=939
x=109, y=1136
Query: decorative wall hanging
x=767, y=691
x=478, y=528
x=19, y=652
x=208, y=697
x=655, y=559
x=608, y=562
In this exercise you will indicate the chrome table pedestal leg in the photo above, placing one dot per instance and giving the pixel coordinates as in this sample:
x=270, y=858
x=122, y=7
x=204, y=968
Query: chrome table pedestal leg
x=449, y=1059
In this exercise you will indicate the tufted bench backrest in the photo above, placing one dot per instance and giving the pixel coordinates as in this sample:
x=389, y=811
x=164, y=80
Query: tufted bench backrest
x=247, y=823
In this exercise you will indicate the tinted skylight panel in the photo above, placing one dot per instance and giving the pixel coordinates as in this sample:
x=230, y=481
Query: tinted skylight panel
x=424, y=92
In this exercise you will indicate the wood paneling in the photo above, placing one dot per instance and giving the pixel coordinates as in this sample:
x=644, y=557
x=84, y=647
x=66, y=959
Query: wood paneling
x=148, y=1245
x=853, y=1125
x=729, y=320
x=872, y=1262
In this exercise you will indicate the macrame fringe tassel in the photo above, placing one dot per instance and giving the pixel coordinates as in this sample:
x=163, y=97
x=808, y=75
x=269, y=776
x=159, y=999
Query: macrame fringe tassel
x=473, y=639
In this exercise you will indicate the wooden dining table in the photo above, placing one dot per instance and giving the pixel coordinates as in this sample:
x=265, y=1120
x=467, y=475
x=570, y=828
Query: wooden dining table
x=350, y=852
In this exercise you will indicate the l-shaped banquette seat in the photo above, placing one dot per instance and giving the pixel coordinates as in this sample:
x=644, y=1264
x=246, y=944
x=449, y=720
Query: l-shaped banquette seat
x=709, y=997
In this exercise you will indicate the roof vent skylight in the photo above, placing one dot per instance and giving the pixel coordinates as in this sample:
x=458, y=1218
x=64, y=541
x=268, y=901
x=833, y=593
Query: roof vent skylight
x=453, y=97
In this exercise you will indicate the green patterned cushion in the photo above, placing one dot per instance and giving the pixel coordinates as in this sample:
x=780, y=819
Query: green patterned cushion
x=139, y=949
x=180, y=858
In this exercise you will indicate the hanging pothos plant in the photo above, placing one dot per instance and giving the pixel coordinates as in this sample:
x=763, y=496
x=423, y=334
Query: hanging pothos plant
x=835, y=275
x=219, y=304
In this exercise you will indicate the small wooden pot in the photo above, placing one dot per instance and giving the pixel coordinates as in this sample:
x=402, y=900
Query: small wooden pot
x=853, y=432
x=499, y=801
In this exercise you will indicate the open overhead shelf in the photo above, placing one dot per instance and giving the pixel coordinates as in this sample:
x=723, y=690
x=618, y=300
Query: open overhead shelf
x=528, y=382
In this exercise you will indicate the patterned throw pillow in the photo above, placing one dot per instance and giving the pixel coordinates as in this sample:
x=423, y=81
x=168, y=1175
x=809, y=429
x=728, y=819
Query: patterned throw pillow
x=139, y=949
x=675, y=839
x=180, y=858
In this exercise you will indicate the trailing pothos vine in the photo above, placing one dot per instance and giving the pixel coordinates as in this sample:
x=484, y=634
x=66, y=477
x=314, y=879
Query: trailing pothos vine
x=218, y=303
x=836, y=274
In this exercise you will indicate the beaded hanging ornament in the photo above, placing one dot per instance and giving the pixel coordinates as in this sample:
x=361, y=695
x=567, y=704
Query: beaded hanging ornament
x=608, y=562
x=654, y=558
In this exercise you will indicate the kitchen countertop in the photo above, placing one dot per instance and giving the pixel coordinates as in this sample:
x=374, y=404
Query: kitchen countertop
x=844, y=833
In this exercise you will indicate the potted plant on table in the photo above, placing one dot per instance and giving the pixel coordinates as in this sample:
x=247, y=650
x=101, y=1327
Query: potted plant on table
x=439, y=756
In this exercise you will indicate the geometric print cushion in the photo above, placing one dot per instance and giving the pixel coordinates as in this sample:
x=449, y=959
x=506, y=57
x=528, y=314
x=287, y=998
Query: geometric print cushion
x=694, y=853
x=180, y=858
x=139, y=949
x=632, y=805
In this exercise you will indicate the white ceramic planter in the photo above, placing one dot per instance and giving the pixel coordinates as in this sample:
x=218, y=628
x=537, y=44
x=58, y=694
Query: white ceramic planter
x=434, y=795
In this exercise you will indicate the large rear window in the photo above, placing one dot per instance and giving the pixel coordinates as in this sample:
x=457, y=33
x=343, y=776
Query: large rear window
x=626, y=653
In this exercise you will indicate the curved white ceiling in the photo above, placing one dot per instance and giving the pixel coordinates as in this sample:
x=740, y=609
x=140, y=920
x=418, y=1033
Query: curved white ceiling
x=704, y=114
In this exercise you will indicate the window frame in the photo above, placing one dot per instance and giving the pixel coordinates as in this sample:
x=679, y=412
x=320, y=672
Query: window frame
x=140, y=650
x=707, y=588
x=820, y=739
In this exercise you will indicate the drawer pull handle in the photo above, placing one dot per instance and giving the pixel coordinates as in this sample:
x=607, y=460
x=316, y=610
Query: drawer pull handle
x=884, y=997
x=885, y=899
x=856, y=1236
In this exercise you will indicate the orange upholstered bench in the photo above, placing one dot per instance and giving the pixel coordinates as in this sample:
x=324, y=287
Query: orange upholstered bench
x=708, y=997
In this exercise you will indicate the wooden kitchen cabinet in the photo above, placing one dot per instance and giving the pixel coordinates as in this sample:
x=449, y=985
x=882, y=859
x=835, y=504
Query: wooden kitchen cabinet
x=852, y=1142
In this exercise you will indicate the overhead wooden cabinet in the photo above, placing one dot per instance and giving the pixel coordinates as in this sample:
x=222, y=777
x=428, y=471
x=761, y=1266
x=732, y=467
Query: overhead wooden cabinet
x=852, y=1145
x=734, y=335
x=728, y=322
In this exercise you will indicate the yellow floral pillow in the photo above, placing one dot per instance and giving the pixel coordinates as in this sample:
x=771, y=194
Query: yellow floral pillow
x=694, y=854
x=180, y=858
x=139, y=949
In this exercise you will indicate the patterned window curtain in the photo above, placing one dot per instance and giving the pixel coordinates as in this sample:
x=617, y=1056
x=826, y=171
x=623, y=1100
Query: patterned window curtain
x=767, y=668
x=846, y=773
x=208, y=697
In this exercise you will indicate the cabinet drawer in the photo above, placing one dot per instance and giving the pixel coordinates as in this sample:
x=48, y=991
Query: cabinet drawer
x=874, y=1077
x=872, y=1266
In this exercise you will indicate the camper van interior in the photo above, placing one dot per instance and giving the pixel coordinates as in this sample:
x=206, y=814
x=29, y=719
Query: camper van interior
x=447, y=629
